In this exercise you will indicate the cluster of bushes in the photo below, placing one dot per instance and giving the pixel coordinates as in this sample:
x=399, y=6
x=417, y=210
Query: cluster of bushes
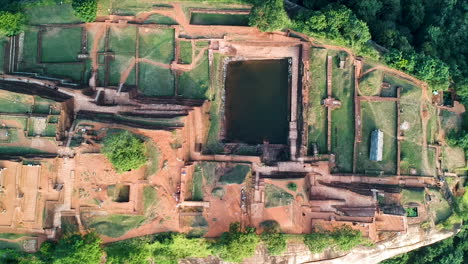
x=169, y=248
x=344, y=238
x=13, y=19
x=125, y=151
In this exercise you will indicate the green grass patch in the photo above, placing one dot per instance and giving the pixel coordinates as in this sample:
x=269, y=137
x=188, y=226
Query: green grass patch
x=15, y=102
x=157, y=44
x=342, y=118
x=219, y=19
x=412, y=196
x=18, y=151
x=3, y=42
x=276, y=196
x=370, y=83
x=236, y=175
x=51, y=14
x=453, y=159
x=28, y=60
x=209, y=171
x=11, y=236
x=213, y=144
x=185, y=56
x=22, y=122
x=317, y=115
x=439, y=207
x=115, y=225
x=122, y=41
x=50, y=131
x=197, y=187
x=378, y=115
x=74, y=72
x=160, y=19
x=153, y=153
x=150, y=197
x=61, y=44
x=195, y=83
x=155, y=81
x=12, y=245
x=117, y=66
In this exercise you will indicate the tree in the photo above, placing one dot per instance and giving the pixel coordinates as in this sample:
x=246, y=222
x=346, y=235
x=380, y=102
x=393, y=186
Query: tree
x=269, y=15
x=236, y=245
x=11, y=23
x=125, y=151
x=85, y=9
x=77, y=249
x=344, y=238
x=272, y=237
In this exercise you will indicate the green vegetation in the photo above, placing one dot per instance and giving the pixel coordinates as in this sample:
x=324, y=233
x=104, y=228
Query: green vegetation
x=185, y=56
x=155, y=81
x=344, y=238
x=11, y=23
x=236, y=245
x=18, y=151
x=219, y=19
x=236, y=175
x=439, y=207
x=370, y=83
x=50, y=12
x=157, y=44
x=122, y=41
x=218, y=192
x=412, y=196
x=292, y=186
x=197, y=190
x=276, y=196
x=150, y=197
x=274, y=240
x=317, y=119
x=269, y=15
x=125, y=151
x=153, y=153
x=160, y=19
x=85, y=9
x=378, y=115
x=412, y=212
x=55, y=39
x=342, y=125
x=115, y=225
x=11, y=236
x=10, y=245
x=195, y=83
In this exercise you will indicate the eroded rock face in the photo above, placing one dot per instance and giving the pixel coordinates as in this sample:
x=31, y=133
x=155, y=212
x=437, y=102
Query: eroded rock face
x=298, y=253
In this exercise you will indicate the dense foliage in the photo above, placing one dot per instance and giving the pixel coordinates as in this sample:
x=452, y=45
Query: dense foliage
x=344, y=238
x=73, y=249
x=85, y=9
x=125, y=151
x=11, y=23
x=236, y=245
x=269, y=15
x=274, y=240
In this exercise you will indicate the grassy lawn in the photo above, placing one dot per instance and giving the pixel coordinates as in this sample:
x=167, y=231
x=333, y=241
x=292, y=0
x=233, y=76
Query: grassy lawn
x=195, y=83
x=439, y=207
x=115, y=225
x=155, y=81
x=22, y=121
x=122, y=41
x=68, y=71
x=27, y=62
x=50, y=131
x=14, y=150
x=150, y=197
x=51, y=14
x=160, y=19
x=370, y=83
x=343, y=118
x=235, y=175
x=61, y=44
x=6, y=244
x=453, y=158
x=317, y=119
x=219, y=19
x=213, y=144
x=412, y=195
x=11, y=236
x=185, y=56
x=153, y=153
x=157, y=44
x=209, y=171
x=15, y=102
x=378, y=115
x=3, y=42
x=197, y=186
x=276, y=196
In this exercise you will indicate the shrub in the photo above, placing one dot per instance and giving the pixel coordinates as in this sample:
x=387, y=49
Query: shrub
x=344, y=238
x=275, y=241
x=318, y=242
x=292, y=186
x=236, y=245
x=269, y=15
x=11, y=23
x=85, y=9
x=125, y=151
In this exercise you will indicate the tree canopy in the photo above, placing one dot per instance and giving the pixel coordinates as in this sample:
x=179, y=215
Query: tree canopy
x=11, y=23
x=236, y=245
x=125, y=151
x=269, y=15
x=85, y=9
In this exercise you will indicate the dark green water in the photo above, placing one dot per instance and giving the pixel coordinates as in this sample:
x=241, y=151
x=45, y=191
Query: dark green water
x=256, y=104
x=219, y=19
